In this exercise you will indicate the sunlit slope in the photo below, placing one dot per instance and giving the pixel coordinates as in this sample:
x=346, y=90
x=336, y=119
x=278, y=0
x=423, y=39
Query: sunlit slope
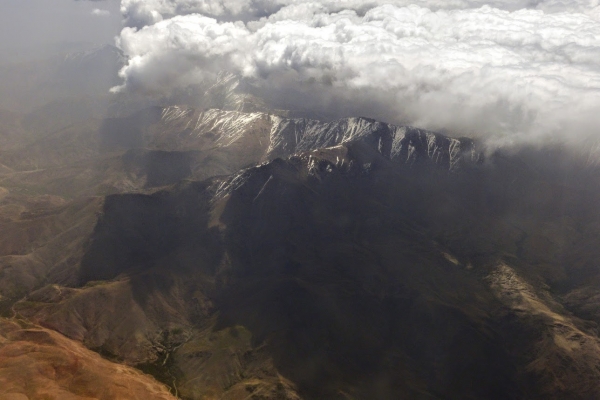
x=38, y=363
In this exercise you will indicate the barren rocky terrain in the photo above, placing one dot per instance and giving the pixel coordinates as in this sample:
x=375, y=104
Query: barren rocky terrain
x=233, y=253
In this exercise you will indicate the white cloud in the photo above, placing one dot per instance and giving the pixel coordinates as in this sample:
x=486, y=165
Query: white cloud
x=100, y=13
x=505, y=71
x=147, y=12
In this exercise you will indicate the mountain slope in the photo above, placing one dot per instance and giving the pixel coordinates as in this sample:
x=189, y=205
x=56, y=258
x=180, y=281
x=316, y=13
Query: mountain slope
x=40, y=363
x=341, y=273
x=160, y=146
x=340, y=259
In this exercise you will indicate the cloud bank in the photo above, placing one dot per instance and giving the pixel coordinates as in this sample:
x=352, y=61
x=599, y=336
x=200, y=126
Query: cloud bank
x=139, y=13
x=513, y=71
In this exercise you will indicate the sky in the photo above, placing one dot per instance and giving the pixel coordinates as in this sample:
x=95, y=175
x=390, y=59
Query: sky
x=508, y=70
x=35, y=23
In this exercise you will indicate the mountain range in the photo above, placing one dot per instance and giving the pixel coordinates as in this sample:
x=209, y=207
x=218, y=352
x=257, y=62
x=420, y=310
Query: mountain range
x=199, y=252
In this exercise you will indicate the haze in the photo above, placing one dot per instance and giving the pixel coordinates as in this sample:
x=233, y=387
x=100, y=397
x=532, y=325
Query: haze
x=34, y=28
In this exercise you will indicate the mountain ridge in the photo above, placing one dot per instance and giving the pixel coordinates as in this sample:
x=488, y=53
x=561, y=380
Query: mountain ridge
x=250, y=254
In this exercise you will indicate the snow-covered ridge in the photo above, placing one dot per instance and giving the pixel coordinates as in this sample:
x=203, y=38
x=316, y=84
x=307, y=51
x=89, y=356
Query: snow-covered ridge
x=229, y=126
x=287, y=136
